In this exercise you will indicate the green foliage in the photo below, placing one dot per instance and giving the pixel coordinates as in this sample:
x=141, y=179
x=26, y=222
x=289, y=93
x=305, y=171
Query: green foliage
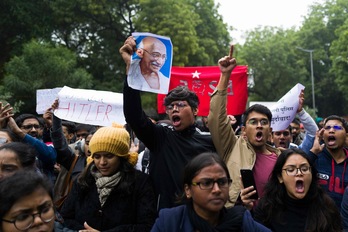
x=94, y=30
x=42, y=66
x=20, y=21
x=156, y=16
x=270, y=53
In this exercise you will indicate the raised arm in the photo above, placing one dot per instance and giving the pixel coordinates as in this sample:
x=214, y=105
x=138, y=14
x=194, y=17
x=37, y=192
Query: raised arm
x=219, y=123
x=132, y=109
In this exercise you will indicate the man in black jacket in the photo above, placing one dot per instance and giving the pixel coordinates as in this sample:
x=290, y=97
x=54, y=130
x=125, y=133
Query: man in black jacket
x=171, y=147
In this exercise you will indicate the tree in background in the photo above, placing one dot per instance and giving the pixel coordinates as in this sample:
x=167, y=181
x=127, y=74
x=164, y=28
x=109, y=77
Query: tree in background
x=278, y=64
x=94, y=30
x=20, y=22
x=42, y=66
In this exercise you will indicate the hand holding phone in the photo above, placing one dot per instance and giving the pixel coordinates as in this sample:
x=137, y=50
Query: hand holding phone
x=248, y=180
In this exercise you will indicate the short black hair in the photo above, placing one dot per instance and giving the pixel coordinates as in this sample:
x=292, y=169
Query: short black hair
x=20, y=119
x=25, y=153
x=71, y=126
x=258, y=108
x=87, y=127
x=296, y=121
x=182, y=93
x=338, y=118
x=10, y=134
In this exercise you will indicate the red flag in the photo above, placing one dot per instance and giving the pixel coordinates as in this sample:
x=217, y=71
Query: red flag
x=203, y=80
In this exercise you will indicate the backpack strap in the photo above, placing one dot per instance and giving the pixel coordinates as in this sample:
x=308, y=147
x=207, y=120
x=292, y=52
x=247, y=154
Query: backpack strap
x=68, y=181
x=145, y=161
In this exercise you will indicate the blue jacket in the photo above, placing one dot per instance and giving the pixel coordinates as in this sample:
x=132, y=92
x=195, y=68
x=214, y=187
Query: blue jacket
x=177, y=219
x=330, y=174
x=344, y=210
x=46, y=156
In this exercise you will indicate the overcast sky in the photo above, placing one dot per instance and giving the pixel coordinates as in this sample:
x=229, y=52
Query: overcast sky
x=248, y=14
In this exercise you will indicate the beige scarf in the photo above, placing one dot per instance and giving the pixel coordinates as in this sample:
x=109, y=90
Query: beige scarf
x=105, y=184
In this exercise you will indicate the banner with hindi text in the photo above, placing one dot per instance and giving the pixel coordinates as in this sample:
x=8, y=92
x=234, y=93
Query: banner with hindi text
x=203, y=80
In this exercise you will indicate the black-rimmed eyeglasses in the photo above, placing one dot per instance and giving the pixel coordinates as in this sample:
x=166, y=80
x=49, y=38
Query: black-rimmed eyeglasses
x=179, y=105
x=25, y=220
x=30, y=126
x=293, y=171
x=208, y=184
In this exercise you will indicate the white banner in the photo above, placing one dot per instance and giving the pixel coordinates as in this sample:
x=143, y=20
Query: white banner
x=45, y=98
x=284, y=111
x=100, y=108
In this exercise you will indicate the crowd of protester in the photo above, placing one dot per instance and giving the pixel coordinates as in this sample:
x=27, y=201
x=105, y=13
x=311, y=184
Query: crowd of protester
x=58, y=175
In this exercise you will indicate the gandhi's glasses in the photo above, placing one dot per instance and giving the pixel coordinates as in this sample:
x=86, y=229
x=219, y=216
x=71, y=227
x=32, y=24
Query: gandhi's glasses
x=156, y=55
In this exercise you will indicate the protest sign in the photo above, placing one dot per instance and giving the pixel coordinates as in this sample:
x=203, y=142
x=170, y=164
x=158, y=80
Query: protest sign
x=45, y=98
x=203, y=81
x=284, y=111
x=100, y=108
x=151, y=63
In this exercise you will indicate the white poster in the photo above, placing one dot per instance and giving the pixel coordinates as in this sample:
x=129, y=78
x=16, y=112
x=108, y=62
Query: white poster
x=45, y=98
x=100, y=108
x=284, y=111
x=151, y=63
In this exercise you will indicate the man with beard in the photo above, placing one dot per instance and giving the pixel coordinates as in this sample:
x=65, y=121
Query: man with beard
x=330, y=157
x=28, y=129
x=249, y=150
x=145, y=72
x=172, y=146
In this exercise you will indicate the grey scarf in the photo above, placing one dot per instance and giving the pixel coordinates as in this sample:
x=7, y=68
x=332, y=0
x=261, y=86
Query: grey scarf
x=105, y=184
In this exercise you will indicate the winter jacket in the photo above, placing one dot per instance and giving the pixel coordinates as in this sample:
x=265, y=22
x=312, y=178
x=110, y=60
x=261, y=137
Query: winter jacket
x=177, y=219
x=333, y=177
x=132, y=210
x=236, y=151
x=170, y=150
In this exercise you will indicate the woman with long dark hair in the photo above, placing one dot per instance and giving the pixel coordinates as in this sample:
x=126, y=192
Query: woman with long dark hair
x=110, y=194
x=292, y=199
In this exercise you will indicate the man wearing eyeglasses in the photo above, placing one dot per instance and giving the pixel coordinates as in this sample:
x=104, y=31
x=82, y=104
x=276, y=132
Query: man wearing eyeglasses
x=331, y=157
x=144, y=73
x=248, y=151
x=28, y=129
x=171, y=146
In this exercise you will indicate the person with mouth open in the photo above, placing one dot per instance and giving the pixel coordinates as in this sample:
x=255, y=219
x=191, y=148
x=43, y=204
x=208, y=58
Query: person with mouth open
x=249, y=150
x=171, y=146
x=293, y=200
x=330, y=157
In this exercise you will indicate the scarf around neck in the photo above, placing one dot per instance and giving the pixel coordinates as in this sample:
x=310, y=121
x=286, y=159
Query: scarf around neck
x=105, y=184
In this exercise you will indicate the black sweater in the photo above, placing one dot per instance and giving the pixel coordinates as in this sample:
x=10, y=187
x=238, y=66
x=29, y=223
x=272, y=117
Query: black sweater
x=170, y=150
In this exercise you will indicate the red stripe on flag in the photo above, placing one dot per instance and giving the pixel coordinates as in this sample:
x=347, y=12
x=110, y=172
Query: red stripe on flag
x=203, y=80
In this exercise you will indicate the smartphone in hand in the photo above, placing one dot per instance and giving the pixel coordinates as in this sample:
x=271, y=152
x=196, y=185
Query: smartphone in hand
x=248, y=180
